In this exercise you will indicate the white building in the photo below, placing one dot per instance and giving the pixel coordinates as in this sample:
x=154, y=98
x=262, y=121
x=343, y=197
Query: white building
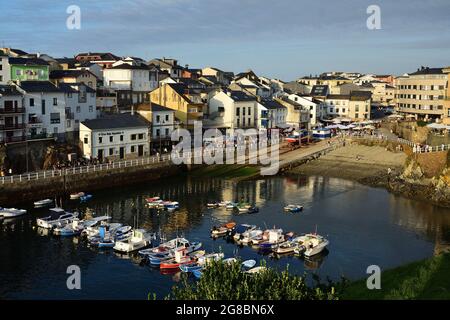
x=235, y=109
x=5, y=71
x=12, y=115
x=316, y=107
x=135, y=80
x=276, y=114
x=118, y=136
x=44, y=105
x=80, y=104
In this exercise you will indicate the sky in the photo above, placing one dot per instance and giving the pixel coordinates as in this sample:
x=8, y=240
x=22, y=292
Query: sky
x=283, y=39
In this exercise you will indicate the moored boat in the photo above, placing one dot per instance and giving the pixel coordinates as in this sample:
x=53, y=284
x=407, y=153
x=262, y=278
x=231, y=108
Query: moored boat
x=210, y=257
x=139, y=239
x=276, y=236
x=256, y=270
x=76, y=195
x=12, y=212
x=312, y=244
x=43, y=203
x=223, y=229
x=57, y=218
x=293, y=208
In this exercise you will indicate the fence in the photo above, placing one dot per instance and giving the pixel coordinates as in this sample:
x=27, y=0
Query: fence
x=84, y=169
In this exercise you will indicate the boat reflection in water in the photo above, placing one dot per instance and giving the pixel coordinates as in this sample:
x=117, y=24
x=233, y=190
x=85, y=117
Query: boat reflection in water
x=314, y=262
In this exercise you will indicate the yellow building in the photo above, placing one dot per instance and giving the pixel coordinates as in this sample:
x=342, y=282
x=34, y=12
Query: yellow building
x=355, y=106
x=447, y=97
x=422, y=93
x=187, y=103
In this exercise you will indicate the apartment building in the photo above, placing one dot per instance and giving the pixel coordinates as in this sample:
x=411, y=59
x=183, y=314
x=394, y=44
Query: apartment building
x=422, y=93
x=355, y=106
x=12, y=115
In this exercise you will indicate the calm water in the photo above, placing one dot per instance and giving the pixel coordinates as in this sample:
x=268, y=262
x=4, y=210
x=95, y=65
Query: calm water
x=365, y=226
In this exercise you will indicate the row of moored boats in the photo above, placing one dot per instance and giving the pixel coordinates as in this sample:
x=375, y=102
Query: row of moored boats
x=274, y=240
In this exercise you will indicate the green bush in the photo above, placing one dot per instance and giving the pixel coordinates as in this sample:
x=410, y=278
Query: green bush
x=227, y=282
x=421, y=123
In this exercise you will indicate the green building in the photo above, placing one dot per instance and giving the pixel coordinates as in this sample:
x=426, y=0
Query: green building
x=25, y=69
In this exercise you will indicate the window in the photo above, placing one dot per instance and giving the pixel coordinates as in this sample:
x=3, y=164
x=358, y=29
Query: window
x=111, y=151
x=78, y=109
x=111, y=139
x=69, y=123
x=158, y=119
x=86, y=141
x=31, y=102
x=238, y=111
x=121, y=137
x=133, y=148
x=167, y=131
x=54, y=117
x=18, y=72
x=133, y=137
x=141, y=136
x=43, y=106
x=157, y=132
x=91, y=109
x=167, y=117
x=1, y=77
x=55, y=101
x=100, y=139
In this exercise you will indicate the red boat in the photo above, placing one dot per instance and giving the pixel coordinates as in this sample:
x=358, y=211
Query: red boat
x=181, y=258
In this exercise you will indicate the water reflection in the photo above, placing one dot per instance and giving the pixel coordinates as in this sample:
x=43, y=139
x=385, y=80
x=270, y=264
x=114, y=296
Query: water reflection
x=364, y=225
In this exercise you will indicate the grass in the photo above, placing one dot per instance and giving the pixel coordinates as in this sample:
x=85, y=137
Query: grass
x=227, y=171
x=425, y=279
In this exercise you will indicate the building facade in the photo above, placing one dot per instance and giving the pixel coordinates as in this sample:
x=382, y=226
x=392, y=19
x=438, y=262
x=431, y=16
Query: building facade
x=422, y=93
x=113, y=137
x=12, y=115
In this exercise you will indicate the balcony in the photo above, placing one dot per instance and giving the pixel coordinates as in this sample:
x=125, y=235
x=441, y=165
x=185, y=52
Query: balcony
x=16, y=126
x=161, y=137
x=70, y=116
x=11, y=110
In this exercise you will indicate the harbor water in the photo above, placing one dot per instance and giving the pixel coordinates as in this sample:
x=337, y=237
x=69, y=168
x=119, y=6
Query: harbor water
x=365, y=226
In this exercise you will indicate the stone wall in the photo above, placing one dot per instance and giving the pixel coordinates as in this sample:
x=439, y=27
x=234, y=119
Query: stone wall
x=19, y=192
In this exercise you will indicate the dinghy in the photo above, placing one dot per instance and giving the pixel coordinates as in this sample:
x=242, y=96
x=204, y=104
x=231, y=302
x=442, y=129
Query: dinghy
x=197, y=273
x=256, y=270
x=76, y=195
x=293, y=208
x=43, y=203
x=248, y=264
x=12, y=212
x=212, y=204
x=71, y=229
x=223, y=229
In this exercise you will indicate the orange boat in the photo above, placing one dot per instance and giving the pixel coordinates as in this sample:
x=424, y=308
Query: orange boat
x=223, y=229
x=181, y=258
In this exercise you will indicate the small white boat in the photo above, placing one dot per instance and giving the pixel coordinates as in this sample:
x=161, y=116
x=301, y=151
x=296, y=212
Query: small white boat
x=140, y=239
x=70, y=229
x=224, y=203
x=12, y=212
x=43, y=203
x=229, y=260
x=166, y=246
x=312, y=244
x=247, y=237
x=210, y=257
x=248, y=264
x=231, y=206
x=76, y=195
x=256, y=270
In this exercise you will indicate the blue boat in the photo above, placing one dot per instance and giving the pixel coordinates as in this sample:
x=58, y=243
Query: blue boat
x=106, y=243
x=190, y=268
x=197, y=273
x=322, y=133
x=86, y=197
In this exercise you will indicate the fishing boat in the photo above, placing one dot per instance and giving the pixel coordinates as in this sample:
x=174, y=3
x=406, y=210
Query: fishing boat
x=247, y=237
x=106, y=243
x=293, y=208
x=86, y=197
x=240, y=229
x=172, y=206
x=210, y=257
x=287, y=246
x=57, y=218
x=43, y=203
x=223, y=229
x=166, y=246
x=156, y=259
x=261, y=238
x=212, y=204
x=139, y=239
x=276, y=236
x=256, y=270
x=312, y=244
x=76, y=195
x=181, y=258
x=71, y=229
x=224, y=203
x=12, y=212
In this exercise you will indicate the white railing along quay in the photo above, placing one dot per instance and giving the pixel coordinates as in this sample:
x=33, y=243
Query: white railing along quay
x=45, y=174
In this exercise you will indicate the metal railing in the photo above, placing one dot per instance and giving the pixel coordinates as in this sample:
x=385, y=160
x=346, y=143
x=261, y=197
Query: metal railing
x=46, y=174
